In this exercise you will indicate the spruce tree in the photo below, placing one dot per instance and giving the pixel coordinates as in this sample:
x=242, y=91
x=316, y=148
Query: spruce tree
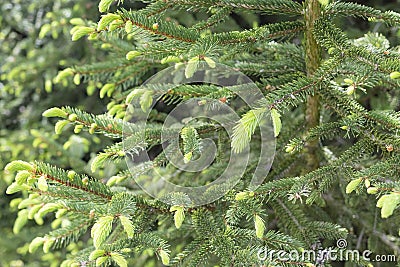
x=336, y=161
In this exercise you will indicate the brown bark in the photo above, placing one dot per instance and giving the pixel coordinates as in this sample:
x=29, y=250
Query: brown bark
x=313, y=59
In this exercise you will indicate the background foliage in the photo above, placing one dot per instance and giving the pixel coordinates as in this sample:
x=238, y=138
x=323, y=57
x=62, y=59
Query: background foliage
x=35, y=44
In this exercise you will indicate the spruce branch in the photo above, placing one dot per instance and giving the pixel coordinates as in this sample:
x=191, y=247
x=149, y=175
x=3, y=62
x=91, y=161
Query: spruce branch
x=156, y=8
x=71, y=233
x=358, y=10
x=266, y=32
x=218, y=17
x=290, y=94
x=264, y=6
x=330, y=36
x=79, y=182
x=164, y=29
x=102, y=123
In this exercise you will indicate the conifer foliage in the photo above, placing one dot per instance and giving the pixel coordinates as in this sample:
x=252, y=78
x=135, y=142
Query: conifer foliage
x=337, y=151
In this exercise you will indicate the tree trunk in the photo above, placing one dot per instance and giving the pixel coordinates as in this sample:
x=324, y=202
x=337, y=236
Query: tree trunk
x=313, y=59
